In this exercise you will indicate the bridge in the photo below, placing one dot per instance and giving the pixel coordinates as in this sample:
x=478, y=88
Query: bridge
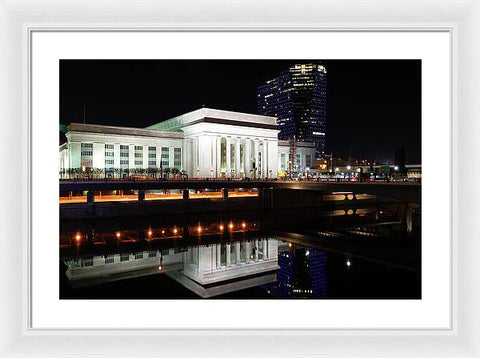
x=405, y=191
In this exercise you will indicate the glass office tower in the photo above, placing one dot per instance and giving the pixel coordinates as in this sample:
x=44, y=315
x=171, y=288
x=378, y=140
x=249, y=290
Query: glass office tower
x=298, y=98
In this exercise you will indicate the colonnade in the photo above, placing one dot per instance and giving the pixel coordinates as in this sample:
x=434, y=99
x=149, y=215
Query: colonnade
x=249, y=159
x=237, y=250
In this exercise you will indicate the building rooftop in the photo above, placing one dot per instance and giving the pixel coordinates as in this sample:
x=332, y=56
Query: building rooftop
x=218, y=116
x=96, y=128
x=289, y=143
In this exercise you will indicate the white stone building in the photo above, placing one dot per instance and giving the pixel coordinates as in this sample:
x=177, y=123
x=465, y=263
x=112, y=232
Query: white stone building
x=205, y=143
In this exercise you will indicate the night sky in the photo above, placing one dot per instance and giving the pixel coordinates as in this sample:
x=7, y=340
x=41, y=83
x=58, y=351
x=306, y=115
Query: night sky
x=373, y=106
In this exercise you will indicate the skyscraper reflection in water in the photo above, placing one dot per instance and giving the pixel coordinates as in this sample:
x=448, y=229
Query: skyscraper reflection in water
x=302, y=274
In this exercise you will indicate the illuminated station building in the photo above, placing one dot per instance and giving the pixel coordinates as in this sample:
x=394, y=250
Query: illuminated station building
x=206, y=143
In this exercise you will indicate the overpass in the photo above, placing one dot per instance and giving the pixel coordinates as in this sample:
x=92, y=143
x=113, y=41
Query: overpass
x=405, y=191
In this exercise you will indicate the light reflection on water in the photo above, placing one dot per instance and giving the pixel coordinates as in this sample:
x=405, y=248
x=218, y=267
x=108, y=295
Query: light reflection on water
x=319, y=257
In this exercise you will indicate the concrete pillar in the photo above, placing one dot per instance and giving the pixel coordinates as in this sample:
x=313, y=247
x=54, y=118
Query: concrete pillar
x=228, y=157
x=237, y=158
x=237, y=253
x=219, y=157
x=195, y=158
x=131, y=158
x=265, y=249
x=256, y=250
x=141, y=195
x=272, y=158
x=145, y=157
x=98, y=155
x=247, y=252
x=219, y=255
x=186, y=194
x=246, y=158
x=227, y=253
x=265, y=159
x=90, y=197
x=255, y=156
x=225, y=193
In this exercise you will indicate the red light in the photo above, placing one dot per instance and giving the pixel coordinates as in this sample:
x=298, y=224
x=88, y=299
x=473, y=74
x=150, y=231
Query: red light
x=118, y=234
x=78, y=237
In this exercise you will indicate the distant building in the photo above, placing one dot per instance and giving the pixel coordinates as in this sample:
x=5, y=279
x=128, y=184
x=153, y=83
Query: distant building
x=298, y=98
x=414, y=171
x=205, y=143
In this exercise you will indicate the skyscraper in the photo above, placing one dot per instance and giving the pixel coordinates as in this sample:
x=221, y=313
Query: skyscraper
x=298, y=98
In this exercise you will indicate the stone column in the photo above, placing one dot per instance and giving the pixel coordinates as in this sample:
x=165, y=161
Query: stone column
x=246, y=157
x=131, y=157
x=256, y=250
x=145, y=157
x=98, y=155
x=265, y=249
x=237, y=157
x=227, y=253
x=195, y=172
x=247, y=252
x=237, y=253
x=116, y=155
x=255, y=156
x=219, y=255
x=219, y=157
x=228, y=157
x=265, y=159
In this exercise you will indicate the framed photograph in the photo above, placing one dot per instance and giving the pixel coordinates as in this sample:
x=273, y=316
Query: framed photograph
x=225, y=185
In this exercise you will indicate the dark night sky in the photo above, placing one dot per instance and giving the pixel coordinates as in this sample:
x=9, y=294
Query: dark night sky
x=374, y=106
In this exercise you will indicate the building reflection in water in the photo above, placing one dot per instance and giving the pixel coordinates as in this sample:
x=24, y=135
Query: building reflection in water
x=302, y=273
x=215, y=258
x=207, y=270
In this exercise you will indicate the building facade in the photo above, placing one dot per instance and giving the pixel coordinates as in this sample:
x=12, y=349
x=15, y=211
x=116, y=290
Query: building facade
x=298, y=99
x=205, y=143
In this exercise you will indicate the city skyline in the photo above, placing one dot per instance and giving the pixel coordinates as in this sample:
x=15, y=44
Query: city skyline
x=373, y=106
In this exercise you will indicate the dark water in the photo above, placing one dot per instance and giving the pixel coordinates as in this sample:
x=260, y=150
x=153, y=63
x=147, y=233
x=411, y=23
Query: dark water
x=370, y=252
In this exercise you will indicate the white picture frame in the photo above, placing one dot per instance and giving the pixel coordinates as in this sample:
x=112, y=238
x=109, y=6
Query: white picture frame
x=19, y=18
